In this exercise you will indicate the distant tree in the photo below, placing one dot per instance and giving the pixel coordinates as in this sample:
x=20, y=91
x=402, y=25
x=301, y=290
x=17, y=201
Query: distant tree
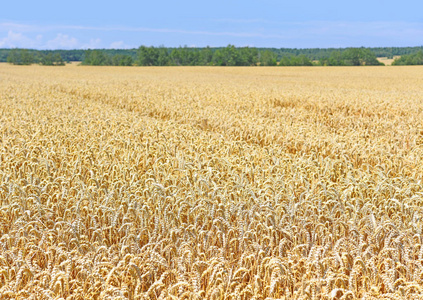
x=147, y=56
x=102, y=58
x=27, y=57
x=206, y=56
x=359, y=57
x=231, y=56
x=285, y=61
x=20, y=57
x=51, y=59
x=14, y=57
x=175, y=57
x=351, y=56
x=58, y=60
x=47, y=59
x=218, y=59
x=268, y=58
x=248, y=56
x=196, y=56
x=368, y=58
x=184, y=56
x=162, y=57
x=227, y=56
x=335, y=59
x=410, y=59
x=302, y=60
x=96, y=58
x=121, y=60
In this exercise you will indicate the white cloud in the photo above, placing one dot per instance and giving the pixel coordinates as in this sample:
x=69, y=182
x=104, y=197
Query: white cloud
x=247, y=21
x=17, y=39
x=5, y=26
x=62, y=41
x=119, y=45
x=94, y=43
x=286, y=34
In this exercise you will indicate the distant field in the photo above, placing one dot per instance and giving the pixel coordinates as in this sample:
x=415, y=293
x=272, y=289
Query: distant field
x=211, y=183
x=387, y=61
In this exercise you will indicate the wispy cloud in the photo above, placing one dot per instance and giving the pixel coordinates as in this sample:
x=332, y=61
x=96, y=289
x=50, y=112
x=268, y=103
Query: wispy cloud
x=119, y=45
x=92, y=44
x=284, y=34
x=20, y=40
x=17, y=39
x=283, y=26
x=43, y=28
x=7, y=26
x=246, y=21
x=173, y=30
x=62, y=41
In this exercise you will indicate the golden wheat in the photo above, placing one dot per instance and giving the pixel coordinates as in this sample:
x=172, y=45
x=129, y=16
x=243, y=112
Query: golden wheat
x=211, y=183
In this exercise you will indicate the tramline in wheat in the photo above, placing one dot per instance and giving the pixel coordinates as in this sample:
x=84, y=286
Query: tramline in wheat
x=211, y=183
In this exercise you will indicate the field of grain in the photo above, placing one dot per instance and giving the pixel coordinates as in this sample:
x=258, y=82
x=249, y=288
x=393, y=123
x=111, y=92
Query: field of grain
x=385, y=60
x=211, y=183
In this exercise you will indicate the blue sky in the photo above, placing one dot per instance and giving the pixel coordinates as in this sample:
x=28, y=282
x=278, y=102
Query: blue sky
x=86, y=24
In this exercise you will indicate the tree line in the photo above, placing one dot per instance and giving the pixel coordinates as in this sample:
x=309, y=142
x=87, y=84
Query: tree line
x=100, y=58
x=351, y=57
x=312, y=54
x=27, y=57
x=410, y=59
x=216, y=56
x=228, y=56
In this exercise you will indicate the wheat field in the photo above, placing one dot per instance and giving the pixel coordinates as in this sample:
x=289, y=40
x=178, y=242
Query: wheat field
x=211, y=183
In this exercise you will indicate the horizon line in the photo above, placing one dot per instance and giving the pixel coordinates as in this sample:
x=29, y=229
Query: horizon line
x=201, y=47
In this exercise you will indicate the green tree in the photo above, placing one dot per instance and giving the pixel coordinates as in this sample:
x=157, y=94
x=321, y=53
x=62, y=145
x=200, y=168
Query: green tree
x=285, y=61
x=162, y=57
x=47, y=59
x=51, y=59
x=121, y=60
x=268, y=58
x=368, y=58
x=335, y=59
x=302, y=60
x=206, y=56
x=410, y=59
x=27, y=57
x=96, y=58
x=14, y=57
x=227, y=56
x=147, y=56
x=218, y=59
x=231, y=56
x=20, y=57
x=359, y=57
x=58, y=60
x=247, y=56
x=175, y=57
x=351, y=57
